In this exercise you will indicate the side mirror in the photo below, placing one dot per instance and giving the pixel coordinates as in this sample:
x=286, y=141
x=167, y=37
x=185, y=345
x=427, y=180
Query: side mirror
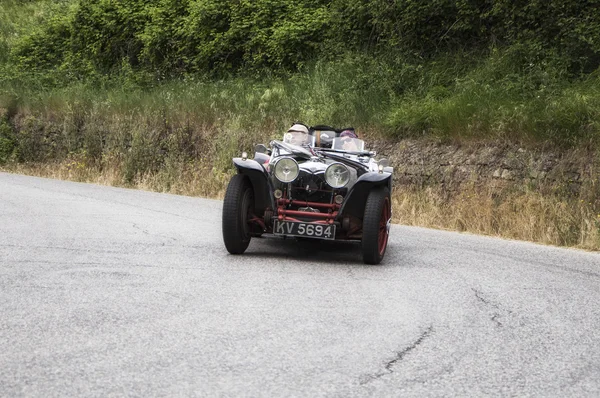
x=261, y=148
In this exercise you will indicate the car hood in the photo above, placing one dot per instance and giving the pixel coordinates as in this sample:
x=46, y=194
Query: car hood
x=313, y=167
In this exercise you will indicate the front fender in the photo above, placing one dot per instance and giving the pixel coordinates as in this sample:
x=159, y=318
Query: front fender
x=263, y=191
x=374, y=177
x=356, y=199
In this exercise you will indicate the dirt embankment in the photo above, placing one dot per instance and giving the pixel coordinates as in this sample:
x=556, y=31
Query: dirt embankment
x=541, y=194
x=453, y=165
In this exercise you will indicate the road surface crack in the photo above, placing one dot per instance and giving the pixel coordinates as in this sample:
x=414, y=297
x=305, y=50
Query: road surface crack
x=495, y=319
x=146, y=232
x=496, y=308
x=389, y=366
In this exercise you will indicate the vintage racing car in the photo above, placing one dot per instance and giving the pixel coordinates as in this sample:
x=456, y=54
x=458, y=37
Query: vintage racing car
x=317, y=182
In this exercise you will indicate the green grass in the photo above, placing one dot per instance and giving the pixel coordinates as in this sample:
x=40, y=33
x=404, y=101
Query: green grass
x=444, y=100
x=497, y=99
x=503, y=94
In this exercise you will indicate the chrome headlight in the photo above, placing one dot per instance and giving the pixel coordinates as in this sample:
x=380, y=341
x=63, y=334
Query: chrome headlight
x=286, y=170
x=337, y=175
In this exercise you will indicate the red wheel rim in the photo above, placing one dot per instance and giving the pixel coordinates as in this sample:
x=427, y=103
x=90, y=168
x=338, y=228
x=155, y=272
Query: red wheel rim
x=383, y=226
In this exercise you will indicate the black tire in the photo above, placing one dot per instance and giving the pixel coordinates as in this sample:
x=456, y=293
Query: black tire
x=238, y=203
x=375, y=225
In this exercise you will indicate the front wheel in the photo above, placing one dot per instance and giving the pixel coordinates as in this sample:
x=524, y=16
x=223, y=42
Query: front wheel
x=237, y=206
x=376, y=225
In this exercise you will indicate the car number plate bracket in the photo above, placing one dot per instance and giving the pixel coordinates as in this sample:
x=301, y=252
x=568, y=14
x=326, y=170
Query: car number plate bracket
x=304, y=229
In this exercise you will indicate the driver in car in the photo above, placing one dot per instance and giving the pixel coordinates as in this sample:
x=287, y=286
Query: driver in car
x=297, y=135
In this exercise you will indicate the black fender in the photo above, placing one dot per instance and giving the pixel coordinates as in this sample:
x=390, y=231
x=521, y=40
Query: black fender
x=259, y=178
x=355, y=202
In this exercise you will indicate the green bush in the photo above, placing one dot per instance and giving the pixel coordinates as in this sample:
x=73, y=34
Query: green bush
x=169, y=38
x=105, y=32
x=406, y=68
x=44, y=49
x=502, y=98
x=426, y=28
x=7, y=142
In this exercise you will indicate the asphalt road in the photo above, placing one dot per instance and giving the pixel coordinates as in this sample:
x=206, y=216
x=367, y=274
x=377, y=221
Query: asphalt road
x=107, y=291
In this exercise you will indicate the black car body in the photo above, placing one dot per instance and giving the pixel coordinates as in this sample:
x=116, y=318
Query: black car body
x=325, y=187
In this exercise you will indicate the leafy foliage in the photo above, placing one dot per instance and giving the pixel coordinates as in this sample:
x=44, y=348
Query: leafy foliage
x=448, y=68
x=7, y=142
x=216, y=37
x=427, y=28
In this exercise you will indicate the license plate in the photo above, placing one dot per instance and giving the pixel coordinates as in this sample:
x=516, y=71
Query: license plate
x=308, y=230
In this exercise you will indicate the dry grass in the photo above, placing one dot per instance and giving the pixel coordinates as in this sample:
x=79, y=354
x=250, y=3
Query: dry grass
x=488, y=210
x=193, y=179
x=513, y=214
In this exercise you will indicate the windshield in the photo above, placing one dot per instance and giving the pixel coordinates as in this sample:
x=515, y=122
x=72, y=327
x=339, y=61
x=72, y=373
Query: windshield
x=348, y=144
x=298, y=138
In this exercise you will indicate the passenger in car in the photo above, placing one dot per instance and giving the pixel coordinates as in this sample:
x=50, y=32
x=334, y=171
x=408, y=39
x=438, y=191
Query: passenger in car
x=348, y=143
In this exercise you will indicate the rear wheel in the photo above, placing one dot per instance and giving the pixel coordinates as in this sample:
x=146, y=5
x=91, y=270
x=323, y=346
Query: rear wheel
x=237, y=207
x=378, y=213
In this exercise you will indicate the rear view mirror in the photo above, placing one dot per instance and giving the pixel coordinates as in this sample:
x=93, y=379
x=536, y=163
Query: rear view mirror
x=261, y=148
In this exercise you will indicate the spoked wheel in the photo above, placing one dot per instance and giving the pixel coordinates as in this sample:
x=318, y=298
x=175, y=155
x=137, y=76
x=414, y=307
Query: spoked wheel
x=376, y=225
x=237, y=207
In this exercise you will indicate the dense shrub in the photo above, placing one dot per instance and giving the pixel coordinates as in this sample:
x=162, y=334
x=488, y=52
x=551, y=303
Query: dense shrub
x=106, y=32
x=430, y=27
x=7, y=142
x=172, y=38
x=449, y=68
x=47, y=48
x=216, y=37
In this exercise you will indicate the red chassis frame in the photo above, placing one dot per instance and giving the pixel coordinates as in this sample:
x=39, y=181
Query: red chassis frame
x=326, y=218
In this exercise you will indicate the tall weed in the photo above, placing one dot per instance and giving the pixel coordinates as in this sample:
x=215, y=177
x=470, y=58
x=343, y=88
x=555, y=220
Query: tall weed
x=499, y=98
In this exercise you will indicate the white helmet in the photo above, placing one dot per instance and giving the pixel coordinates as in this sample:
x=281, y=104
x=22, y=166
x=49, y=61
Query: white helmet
x=299, y=128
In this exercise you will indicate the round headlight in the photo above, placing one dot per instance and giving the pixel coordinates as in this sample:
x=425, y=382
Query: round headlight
x=286, y=170
x=337, y=175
